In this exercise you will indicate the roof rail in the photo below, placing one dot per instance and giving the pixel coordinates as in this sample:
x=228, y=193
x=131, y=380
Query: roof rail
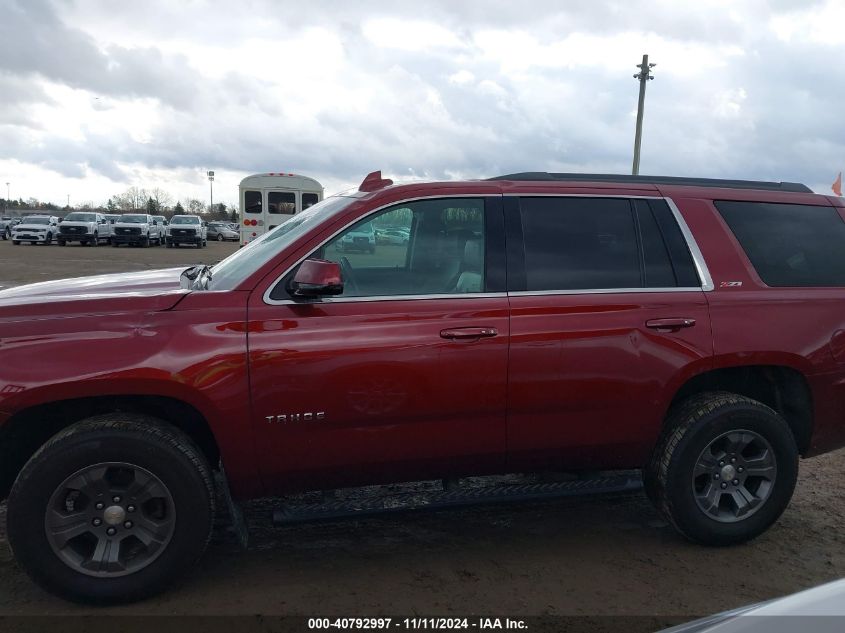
x=658, y=180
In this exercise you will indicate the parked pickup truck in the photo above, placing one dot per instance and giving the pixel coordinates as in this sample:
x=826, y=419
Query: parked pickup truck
x=87, y=228
x=136, y=228
x=689, y=328
x=187, y=229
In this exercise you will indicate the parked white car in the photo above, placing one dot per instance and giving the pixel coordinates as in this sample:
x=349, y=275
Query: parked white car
x=86, y=227
x=36, y=229
x=187, y=229
x=136, y=228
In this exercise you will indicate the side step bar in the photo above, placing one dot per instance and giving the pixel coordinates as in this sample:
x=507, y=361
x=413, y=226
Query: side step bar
x=451, y=496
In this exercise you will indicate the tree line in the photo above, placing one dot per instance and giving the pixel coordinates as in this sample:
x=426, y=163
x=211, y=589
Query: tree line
x=135, y=199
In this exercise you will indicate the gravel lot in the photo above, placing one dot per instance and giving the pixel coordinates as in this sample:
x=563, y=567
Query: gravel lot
x=599, y=555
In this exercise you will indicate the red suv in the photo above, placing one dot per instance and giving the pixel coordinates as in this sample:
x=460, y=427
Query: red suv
x=690, y=328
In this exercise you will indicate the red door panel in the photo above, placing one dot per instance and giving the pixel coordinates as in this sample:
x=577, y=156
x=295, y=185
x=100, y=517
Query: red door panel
x=400, y=395
x=590, y=381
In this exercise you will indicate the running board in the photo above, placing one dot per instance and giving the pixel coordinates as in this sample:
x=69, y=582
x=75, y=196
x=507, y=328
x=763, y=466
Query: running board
x=449, y=496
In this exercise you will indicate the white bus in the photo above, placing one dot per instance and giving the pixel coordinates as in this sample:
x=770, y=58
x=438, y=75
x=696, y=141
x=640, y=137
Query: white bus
x=269, y=199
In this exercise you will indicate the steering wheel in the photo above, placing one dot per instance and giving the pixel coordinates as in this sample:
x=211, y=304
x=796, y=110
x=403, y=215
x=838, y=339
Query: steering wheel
x=350, y=286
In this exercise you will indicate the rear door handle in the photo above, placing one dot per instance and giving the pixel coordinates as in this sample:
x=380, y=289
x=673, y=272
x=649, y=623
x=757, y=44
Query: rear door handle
x=469, y=332
x=669, y=325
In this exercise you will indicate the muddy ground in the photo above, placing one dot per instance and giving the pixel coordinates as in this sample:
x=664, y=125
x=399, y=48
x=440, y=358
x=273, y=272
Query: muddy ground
x=597, y=555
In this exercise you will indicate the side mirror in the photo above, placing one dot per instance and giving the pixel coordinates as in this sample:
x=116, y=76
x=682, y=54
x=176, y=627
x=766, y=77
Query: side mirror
x=205, y=223
x=317, y=278
x=155, y=222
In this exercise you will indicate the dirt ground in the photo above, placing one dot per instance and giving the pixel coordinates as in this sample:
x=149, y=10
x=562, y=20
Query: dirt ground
x=600, y=555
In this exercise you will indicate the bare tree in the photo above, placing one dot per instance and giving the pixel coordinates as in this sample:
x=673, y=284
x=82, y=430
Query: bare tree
x=162, y=199
x=195, y=207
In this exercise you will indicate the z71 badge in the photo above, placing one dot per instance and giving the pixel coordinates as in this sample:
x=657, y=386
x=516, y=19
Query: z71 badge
x=296, y=417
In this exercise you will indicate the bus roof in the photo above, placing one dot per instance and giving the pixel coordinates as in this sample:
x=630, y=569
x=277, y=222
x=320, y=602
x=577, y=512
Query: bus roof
x=280, y=179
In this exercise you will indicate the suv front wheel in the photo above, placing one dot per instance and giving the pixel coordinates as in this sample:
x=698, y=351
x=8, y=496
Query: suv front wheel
x=112, y=509
x=725, y=468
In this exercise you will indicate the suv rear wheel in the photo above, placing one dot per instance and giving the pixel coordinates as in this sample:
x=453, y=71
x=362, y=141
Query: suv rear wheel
x=725, y=468
x=112, y=509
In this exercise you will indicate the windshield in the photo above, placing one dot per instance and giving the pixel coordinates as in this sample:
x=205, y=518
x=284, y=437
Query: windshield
x=133, y=219
x=36, y=220
x=238, y=266
x=185, y=219
x=80, y=217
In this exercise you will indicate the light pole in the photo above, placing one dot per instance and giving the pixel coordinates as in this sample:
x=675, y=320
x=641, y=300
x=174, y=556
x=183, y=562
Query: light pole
x=6, y=203
x=211, y=191
x=643, y=76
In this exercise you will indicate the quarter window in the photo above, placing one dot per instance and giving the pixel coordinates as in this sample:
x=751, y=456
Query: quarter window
x=790, y=244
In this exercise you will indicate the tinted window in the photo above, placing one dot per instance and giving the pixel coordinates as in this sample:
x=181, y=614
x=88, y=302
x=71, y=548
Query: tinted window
x=437, y=248
x=580, y=243
x=283, y=202
x=309, y=199
x=790, y=244
x=252, y=201
x=682, y=263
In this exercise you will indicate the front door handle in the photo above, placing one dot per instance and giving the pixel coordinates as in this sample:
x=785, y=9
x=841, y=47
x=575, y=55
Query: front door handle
x=669, y=325
x=469, y=332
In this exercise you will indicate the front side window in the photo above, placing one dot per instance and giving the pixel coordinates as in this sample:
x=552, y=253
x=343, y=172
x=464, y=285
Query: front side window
x=428, y=247
x=281, y=202
x=790, y=244
x=252, y=201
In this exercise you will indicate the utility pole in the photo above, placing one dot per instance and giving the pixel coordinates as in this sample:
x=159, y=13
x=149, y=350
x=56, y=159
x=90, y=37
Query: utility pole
x=211, y=191
x=643, y=76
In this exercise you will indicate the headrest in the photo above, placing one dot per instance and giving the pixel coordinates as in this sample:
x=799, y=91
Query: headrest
x=473, y=255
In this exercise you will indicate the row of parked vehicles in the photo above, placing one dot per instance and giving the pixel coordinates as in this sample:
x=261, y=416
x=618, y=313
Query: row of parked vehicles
x=138, y=229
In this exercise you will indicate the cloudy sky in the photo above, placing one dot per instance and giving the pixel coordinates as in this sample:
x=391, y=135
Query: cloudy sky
x=97, y=96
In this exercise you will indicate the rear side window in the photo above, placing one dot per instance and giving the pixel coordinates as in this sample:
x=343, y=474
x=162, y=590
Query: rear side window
x=577, y=243
x=790, y=244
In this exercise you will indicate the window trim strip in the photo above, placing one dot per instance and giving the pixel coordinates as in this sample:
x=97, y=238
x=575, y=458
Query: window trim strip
x=697, y=258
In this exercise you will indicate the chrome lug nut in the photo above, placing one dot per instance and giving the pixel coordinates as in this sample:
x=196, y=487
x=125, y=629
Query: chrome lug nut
x=111, y=531
x=97, y=522
x=116, y=499
x=736, y=482
x=740, y=469
x=724, y=485
x=100, y=505
x=128, y=525
x=716, y=476
x=733, y=460
x=130, y=508
x=722, y=463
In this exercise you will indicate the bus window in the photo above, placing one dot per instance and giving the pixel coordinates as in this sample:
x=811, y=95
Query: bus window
x=309, y=199
x=281, y=202
x=252, y=201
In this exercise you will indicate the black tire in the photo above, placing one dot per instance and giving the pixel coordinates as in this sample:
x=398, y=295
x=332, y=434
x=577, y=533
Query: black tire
x=145, y=242
x=16, y=242
x=96, y=241
x=693, y=427
x=143, y=442
x=115, y=244
x=219, y=237
x=169, y=244
x=62, y=243
x=7, y=234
